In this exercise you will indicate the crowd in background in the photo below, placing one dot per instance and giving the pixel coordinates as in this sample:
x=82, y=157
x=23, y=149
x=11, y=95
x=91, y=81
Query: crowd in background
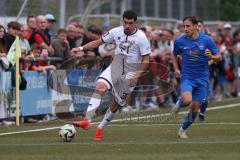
x=39, y=38
x=223, y=75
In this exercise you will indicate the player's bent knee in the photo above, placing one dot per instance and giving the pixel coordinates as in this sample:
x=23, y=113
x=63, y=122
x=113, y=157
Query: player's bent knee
x=187, y=98
x=114, y=106
x=187, y=101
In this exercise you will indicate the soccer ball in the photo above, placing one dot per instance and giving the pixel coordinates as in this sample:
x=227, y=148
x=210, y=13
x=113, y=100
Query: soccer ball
x=67, y=132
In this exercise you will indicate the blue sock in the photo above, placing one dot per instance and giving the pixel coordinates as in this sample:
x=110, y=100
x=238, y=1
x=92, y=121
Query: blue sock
x=189, y=120
x=181, y=103
x=203, y=108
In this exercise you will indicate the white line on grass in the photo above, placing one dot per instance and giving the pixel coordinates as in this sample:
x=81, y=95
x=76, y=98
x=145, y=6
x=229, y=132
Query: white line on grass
x=183, y=112
x=29, y=131
x=174, y=142
x=119, y=120
x=173, y=124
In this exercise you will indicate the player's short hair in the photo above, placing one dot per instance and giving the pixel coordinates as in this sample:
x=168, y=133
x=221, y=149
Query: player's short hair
x=192, y=19
x=200, y=21
x=129, y=14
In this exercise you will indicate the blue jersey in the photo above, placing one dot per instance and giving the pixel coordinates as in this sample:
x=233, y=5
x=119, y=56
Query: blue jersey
x=194, y=60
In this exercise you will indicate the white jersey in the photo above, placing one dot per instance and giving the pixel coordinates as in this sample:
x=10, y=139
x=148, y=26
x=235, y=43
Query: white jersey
x=128, y=57
x=133, y=46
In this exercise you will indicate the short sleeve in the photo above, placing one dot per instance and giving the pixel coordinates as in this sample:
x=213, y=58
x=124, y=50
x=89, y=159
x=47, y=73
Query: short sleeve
x=145, y=48
x=108, y=37
x=212, y=46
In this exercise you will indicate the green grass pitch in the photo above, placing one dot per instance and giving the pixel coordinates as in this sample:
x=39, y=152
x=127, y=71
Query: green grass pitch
x=217, y=139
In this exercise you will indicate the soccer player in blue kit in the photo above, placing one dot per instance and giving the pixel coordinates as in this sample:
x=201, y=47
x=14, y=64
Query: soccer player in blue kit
x=195, y=49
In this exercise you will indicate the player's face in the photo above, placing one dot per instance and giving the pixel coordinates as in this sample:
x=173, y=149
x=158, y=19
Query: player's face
x=200, y=27
x=189, y=28
x=129, y=26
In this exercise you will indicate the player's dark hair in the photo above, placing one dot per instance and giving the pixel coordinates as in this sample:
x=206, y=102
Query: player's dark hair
x=192, y=19
x=129, y=14
x=200, y=21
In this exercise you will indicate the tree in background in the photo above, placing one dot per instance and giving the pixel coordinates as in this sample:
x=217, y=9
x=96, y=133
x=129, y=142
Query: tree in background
x=230, y=10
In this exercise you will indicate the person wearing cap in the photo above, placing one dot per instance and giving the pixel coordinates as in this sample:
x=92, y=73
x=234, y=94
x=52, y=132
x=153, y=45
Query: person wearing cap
x=50, y=23
x=227, y=26
x=230, y=73
x=228, y=39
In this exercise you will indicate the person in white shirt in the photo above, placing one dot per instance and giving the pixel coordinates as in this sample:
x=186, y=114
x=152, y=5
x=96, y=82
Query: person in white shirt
x=130, y=60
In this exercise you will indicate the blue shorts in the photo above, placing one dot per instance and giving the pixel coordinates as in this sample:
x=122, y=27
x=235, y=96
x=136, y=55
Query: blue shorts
x=199, y=90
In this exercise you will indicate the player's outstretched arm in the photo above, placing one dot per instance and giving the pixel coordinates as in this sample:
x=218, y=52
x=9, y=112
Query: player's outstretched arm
x=89, y=46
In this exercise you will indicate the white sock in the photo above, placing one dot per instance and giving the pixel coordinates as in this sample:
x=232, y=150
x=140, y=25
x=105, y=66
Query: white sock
x=182, y=130
x=94, y=103
x=109, y=115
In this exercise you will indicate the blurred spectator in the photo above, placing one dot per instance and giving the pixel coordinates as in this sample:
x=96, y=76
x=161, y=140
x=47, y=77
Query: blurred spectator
x=93, y=33
x=220, y=27
x=161, y=58
x=230, y=73
x=13, y=27
x=61, y=45
x=163, y=45
x=201, y=27
x=32, y=25
x=81, y=37
x=4, y=63
x=180, y=28
x=71, y=35
x=73, y=22
x=176, y=34
x=24, y=44
x=149, y=34
x=39, y=37
x=218, y=70
x=228, y=40
x=50, y=26
x=36, y=52
x=236, y=42
x=3, y=51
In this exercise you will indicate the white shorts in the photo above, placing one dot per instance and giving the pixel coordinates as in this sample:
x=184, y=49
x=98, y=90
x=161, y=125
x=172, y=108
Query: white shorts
x=117, y=82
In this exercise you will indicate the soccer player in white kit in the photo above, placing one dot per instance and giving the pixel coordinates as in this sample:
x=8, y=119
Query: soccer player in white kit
x=130, y=60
